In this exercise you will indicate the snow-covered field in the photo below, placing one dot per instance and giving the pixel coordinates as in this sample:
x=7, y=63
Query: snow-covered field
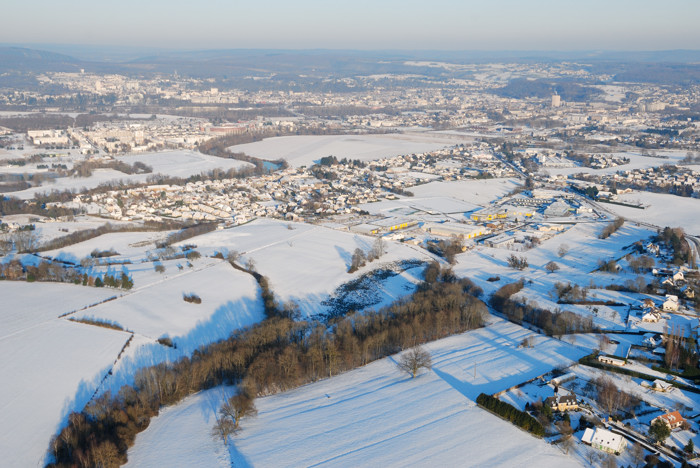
x=173, y=163
x=379, y=416
x=229, y=301
x=306, y=263
x=637, y=161
x=306, y=150
x=48, y=370
x=183, y=163
x=662, y=210
x=180, y=436
x=585, y=249
x=49, y=366
x=478, y=192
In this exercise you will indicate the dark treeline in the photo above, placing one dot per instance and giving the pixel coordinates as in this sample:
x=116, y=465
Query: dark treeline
x=674, y=240
x=188, y=233
x=85, y=168
x=556, y=323
x=274, y=355
x=11, y=205
x=511, y=413
x=54, y=121
x=49, y=271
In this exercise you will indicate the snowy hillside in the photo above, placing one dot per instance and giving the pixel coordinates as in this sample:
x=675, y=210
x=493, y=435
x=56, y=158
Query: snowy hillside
x=378, y=416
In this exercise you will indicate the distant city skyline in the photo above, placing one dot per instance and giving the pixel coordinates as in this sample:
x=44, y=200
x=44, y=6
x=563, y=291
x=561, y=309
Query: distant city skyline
x=359, y=24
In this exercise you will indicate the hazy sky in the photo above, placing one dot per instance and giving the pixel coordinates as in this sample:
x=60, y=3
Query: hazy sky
x=358, y=24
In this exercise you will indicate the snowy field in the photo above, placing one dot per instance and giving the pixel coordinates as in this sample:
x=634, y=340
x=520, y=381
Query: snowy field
x=25, y=305
x=47, y=229
x=584, y=252
x=378, y=416
x=306, y=150
x=179, y=436
x=637, y=161
x=307, y=263
x=661, y=210
x=229, y=301
x=48, y=370
x=478, y=192
x=172, y=163
x=183, y=163
x=50, y=366
x=128, y=245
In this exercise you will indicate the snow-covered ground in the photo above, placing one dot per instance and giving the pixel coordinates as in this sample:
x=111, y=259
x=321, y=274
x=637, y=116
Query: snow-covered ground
x=306, y=263
x=229, y=301
x=173, y=163
x=183, y=163
x=637, y=161
x=48, y=370
x=379, y=416
x=180, y=436
x=478, y=192
x=661, y=209
x=306, y=150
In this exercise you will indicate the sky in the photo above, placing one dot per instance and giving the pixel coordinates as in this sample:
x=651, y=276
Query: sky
x=357, y=24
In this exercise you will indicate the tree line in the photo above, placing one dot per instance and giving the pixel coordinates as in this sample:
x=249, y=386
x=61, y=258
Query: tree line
x=272, y=356
x=511, y=413
x=552, y=323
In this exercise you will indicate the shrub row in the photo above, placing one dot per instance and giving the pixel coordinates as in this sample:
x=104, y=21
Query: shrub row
x=511, y=413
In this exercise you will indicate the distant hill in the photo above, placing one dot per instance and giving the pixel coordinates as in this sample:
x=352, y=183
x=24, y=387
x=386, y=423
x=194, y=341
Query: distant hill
x=21, y=59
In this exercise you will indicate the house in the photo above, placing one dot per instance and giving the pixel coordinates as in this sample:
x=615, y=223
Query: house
x=662, y=386
x=651, y=340
x=651, y=317
x=652, y=249
x=671, y=304
x=648, y=304
x=604, y=440
x=562, y=403
x=563, y=379
x=673, y=420
x=611, y=360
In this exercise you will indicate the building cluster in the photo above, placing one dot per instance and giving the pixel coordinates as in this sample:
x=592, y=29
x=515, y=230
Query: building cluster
x=294, y=193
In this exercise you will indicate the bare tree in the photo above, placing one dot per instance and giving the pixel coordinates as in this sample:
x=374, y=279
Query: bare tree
x=563, y=250
x=250, y=264
x=637, y=452
x=233, y=256
x=551, y=267
x=567, y=443
x=223, y=429
x=378, y=249
x=5, y=246
x=358, y=260
x=25, y=241
x=609, y=462
x=414, y=360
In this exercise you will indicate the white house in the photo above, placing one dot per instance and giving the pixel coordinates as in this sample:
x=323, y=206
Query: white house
x=611, y=360
x=651, y=317
x=671, y=304
x=604, y=440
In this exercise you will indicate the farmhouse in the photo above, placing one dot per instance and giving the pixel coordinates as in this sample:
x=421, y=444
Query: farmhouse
x=673, y=420
x=604, y=440
x=671, y=304
x=651, y=317
x=661, y=386
x=562, y=403
x=611, y=360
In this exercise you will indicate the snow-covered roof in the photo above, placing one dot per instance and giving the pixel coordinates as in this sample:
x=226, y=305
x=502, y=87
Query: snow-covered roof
x=588, y=435
x=605, y=438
